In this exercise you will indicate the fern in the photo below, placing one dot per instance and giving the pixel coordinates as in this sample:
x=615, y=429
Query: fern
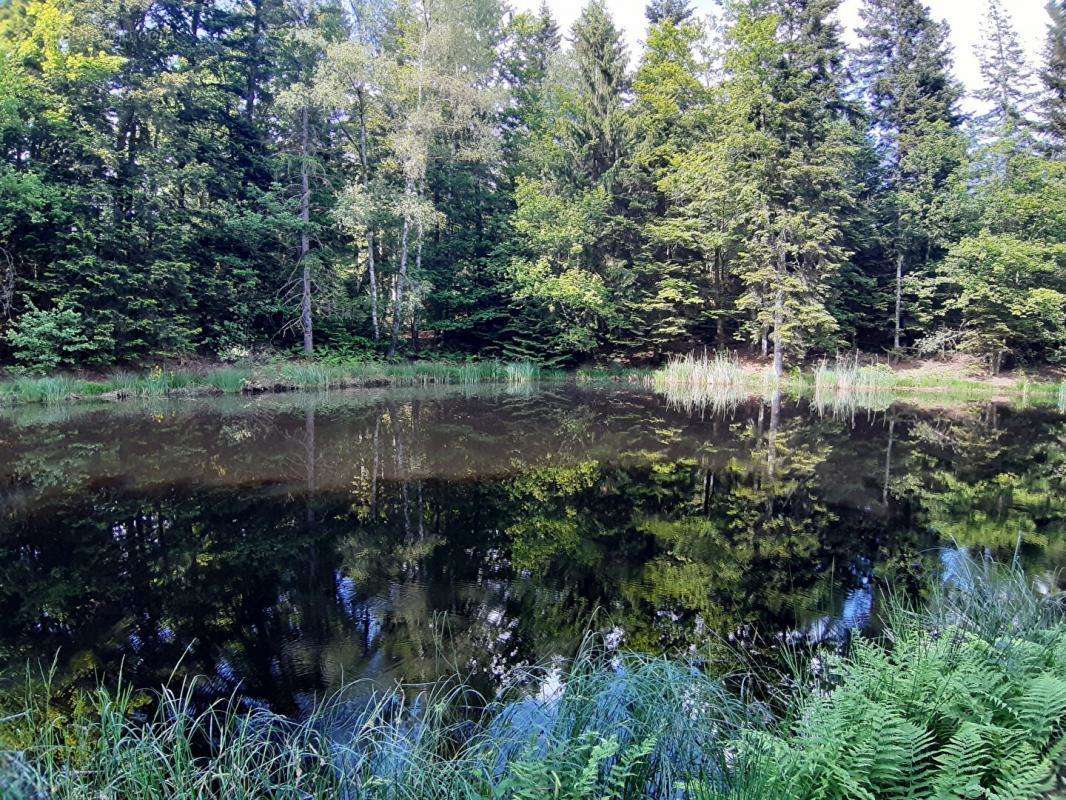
x=961, y=765
x=1041, y=709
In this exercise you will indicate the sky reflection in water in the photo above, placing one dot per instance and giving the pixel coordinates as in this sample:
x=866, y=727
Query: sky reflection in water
x=282, y=545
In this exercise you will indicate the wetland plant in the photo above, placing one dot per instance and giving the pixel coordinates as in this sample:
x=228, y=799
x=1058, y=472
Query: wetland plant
x=962, y=698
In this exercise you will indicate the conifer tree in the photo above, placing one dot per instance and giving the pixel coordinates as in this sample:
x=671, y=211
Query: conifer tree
x=1053, y=79
x=599, y=129
x=905, y=65
x=676, y=11
x=1007, y=87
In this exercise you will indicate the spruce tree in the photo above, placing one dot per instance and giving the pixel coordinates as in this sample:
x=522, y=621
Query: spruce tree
x=905, y=65
x=599, y=126
x=1007, y=79
x=1053, y=78
x=676, y=11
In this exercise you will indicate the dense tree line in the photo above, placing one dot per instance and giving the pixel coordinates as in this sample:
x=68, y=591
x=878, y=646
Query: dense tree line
x=371, y=176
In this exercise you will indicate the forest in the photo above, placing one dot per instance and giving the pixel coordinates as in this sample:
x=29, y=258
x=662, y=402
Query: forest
x=364, y=179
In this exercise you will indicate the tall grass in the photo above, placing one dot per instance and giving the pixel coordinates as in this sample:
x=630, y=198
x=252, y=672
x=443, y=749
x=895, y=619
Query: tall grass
x=627, y=726
x=521, y=372
x=719, y=369
x=846, y=386
x=717, y=382
x=963, y=698
x=161, y=382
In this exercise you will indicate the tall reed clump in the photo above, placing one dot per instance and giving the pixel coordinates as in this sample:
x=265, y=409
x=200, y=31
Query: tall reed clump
x=521, y=372
x=716, y=381
x=846, y=386
x=963, y=698
x=228, y=380
x=50, y=390
x=849, y=376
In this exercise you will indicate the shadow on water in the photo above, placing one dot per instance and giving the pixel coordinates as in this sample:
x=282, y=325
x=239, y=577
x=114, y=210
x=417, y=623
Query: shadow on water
x=282, y=546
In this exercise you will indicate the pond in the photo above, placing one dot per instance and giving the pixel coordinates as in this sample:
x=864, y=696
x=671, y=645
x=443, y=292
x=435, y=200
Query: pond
x=283, y=545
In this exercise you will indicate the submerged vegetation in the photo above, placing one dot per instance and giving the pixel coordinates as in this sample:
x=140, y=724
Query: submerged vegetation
x=965, y=698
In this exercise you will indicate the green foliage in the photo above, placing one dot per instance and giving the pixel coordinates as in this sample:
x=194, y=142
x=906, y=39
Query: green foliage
x=1006, y=295
x=188, y=179
x=44, y=341
x=946, y=707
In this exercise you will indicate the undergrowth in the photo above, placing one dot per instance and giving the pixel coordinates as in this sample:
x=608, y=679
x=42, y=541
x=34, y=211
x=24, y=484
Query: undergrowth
x=279, y=376
x=965, y=698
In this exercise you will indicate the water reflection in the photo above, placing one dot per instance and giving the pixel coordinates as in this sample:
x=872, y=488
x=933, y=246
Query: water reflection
x=283, y=545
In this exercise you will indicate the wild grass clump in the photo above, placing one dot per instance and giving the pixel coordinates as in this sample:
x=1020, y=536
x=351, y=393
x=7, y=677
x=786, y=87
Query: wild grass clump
x=849, y=376
x=846, y=386
x=50, y=390
x=228, y=380
x=622, y=727
x=719, y=369
x=309, y=375
x=718, y=382
x=520, y=372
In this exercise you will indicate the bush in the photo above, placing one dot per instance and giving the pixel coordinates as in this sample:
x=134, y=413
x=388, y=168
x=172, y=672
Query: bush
x=44, y=341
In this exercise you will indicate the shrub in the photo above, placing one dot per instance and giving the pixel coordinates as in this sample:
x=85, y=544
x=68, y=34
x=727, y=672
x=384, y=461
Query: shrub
x=44, y=341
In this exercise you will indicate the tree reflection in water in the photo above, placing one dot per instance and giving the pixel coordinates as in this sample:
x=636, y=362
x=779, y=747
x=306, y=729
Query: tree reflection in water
x=283, y=545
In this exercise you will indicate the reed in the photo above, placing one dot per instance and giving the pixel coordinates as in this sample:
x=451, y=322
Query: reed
x=521, y=372
x=228, y=380
x=719, y=369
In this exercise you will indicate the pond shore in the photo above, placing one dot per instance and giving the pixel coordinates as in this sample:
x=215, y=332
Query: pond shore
x=967, y=692
x=950, y=381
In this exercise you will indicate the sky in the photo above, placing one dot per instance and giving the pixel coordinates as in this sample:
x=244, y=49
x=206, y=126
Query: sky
x=964, y=17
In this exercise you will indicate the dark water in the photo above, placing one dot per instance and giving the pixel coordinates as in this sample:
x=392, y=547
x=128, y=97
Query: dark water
x=284, y=545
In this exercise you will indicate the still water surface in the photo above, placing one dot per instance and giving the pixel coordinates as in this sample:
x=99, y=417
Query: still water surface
x=283, y=545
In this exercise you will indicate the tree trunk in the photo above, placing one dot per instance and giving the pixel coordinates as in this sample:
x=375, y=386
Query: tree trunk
x=7, y=285
x=252, y=84
x=888, y=461
x=418, y=271
x=899, y=300
x=779, y=311
x=401, y=279
x=771, y=435
x=373, y=286
x=370, y=265
x=779, y=316
x=305, y=241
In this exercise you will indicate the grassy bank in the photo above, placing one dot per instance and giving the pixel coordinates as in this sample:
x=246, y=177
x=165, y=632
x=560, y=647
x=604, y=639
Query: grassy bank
x=721, y=379
x=277, y=376
x=712, y=380
x=964, y=699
